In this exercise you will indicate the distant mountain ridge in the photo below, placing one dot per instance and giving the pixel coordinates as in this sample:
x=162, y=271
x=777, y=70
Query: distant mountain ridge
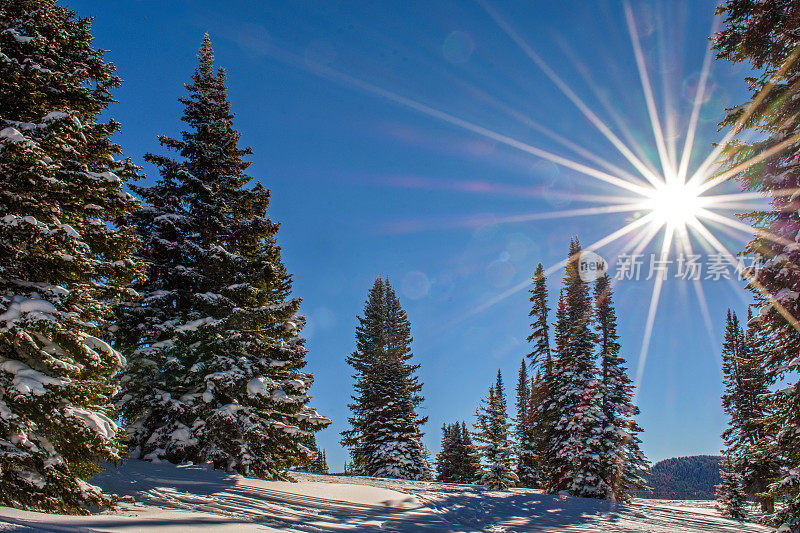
x=684, y=478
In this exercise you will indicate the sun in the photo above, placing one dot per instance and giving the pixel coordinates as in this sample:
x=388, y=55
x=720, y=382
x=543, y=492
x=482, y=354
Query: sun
x=675, y=203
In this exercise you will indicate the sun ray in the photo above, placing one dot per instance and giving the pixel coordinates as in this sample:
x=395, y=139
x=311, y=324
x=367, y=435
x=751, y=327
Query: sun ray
x=409, y=226
x=667, y=94
x=651, y=313
x=697, y=104
x=528, y=121
x=570, y=94
x=721, y=178
x=704, y=213
x=611, y=111
x=713, y=157
x=686, y=245
x=658, y=131
x=330, y=73
x=752, y=281
x=520, y=286
x=778, y=193
x=647, y=236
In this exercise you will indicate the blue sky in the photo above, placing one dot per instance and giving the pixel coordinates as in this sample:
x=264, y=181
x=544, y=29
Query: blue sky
x=364, y=185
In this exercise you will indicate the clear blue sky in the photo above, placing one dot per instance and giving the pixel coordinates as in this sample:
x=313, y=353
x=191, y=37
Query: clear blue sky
x=364, y=186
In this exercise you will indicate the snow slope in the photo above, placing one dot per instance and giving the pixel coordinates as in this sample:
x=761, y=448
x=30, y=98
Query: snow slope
x=180, y=498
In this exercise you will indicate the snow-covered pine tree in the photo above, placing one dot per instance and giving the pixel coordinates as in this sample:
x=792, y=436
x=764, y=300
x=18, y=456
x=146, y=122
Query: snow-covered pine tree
x=215, y=353
x=731, y=497
x=448, y=460
x=576, y=439
x=623, y=462
x=458, y=461
x=470, y=457
x=746, y=438
x=523, y=432
x=759, y=468
x=64, y=262
x=385, y=436
x=767, y=36
x=540, y=328
x=493, y=439
x=540, y=415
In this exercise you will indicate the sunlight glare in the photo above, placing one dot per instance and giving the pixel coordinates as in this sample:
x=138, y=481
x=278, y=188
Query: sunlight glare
x=675, y=203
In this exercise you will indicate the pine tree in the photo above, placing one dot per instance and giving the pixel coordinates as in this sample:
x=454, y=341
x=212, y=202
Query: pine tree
x=470, y=469
x=449, y=461
x=385, y=437
x=215, y=355
x=64, y=260
x=746, y=386
x=731, y=497
x=319, y=465
x=758, y=467
x=458, y=461
x=576, y=442
x=493, y=437
x=766, y=35
x=623, y=462
x=541, y=416
x=539, y=428
x=550, y=406
x=526, y=454
x=540, y=328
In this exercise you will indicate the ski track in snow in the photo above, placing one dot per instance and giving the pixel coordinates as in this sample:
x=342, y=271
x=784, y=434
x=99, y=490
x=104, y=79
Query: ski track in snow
x=183, y=498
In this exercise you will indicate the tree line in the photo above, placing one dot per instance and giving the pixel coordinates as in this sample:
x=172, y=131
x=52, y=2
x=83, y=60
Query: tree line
x=575, y=427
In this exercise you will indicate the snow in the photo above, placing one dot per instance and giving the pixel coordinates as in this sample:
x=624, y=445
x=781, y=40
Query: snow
x=12, y=134
x=24, y=39
x=258, y=386
x=27, y=306
x=54, y=115
x=191, y=497
x=96, y=422
x=195, y=324
x=27, y=380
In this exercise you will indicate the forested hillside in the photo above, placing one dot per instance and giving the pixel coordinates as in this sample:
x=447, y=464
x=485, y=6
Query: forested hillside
x=685, y=478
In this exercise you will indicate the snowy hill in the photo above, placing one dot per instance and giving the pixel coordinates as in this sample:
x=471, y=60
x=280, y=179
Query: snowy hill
x=179, y=498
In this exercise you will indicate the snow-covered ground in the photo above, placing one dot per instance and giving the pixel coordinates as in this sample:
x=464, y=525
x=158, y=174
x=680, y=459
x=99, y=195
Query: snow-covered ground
x=181, y=498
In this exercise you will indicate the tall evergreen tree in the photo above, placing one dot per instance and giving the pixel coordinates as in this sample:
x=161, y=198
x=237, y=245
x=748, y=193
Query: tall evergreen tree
x=731, y=497
x=577, y=435
x=215, y=353
x=64, y=261
x=746, y=438
x=385, y=436
x=759, y=467
x=447, y=459
x=541, y=416
x=623, y=462
x=470, y=471
x=767, y=36
x=493, y=437
x=549, y=407
x=458, y=461
x=540, y=328
x=523, y=430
